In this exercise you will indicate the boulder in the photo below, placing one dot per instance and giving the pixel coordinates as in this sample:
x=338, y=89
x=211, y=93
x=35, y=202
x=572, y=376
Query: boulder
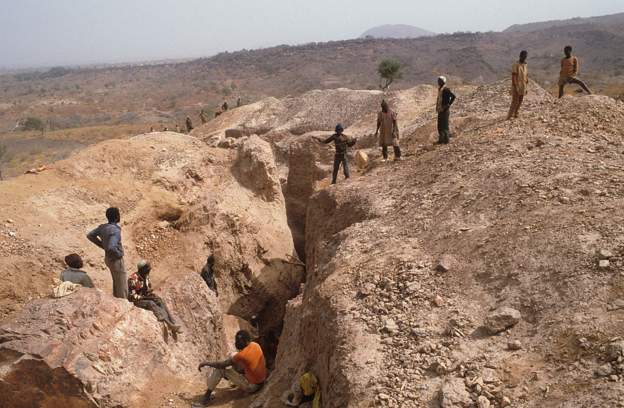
x=483, y=402
x=90, y=349
x=255, y=169
x=361, y=159
x=502, y=319
x=234, y=133
x=615, y=350
x=454, y=394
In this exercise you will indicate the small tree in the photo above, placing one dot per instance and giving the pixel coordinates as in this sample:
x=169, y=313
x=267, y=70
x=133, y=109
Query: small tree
x=32, y=123
x=389, y=70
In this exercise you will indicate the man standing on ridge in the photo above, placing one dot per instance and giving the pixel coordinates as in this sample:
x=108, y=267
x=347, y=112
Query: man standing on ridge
x=108, y=237
x=569, y=70
x=387, y=123
x=189, y=124
x=342, y=143
x=519, y=84
x=446, y=98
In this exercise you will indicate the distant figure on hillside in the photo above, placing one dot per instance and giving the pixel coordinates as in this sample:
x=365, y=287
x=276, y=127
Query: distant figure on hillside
x=389, y=135
x=203, y=116
x=446, y=98
x=570, y=68
x=108, y=237
x=152, y=129
x=342, y=143
x=218, y=111
x=74, y=272
x=165, y=129
x=225, y=106
x=238, y=102
x=142, y=295
x=189, y=124
x=207, y=273
x=177, y=128
x=519, y=84
x=249, y=360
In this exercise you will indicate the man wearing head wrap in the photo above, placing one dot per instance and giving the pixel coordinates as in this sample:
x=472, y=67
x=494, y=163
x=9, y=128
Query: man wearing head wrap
x=74, y=272
x=141, y=294
x=342, y=143
x=446, y=98
x=389, y=135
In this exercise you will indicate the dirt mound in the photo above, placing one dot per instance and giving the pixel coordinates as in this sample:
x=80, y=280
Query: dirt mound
x=89, y=349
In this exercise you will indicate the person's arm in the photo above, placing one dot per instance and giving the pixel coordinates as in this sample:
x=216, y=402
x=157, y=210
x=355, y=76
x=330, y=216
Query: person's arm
x=94, y=236
x=328, y=140
x=452, y=98
x=395, y=125
x=352, y=142
x=113, y=244
x=378, y=124
x=514, y=80
x=133, y=295
x=216, y=364
x=575, y=66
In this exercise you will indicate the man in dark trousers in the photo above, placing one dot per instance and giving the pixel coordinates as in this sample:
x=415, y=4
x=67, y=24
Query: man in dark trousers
x=446, y=98
x=342, y=143
x=142, y=295
x=189, y=124
x=569, y=70
x=108, y=237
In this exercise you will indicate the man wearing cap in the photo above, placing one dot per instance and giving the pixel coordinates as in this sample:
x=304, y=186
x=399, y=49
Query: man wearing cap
x=142, y=295
x=446, y=98
x=74, y=272
x=342, y=143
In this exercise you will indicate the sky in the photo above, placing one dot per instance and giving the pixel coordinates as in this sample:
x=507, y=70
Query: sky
x=68, y=32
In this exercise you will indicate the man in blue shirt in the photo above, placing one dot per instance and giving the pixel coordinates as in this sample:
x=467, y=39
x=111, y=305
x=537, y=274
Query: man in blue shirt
x=108, y=237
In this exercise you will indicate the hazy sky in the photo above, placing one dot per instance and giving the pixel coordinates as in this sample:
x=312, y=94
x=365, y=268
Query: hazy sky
x=62, y=32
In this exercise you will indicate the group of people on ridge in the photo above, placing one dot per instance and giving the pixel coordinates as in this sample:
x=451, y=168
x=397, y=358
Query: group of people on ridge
x=388, y=130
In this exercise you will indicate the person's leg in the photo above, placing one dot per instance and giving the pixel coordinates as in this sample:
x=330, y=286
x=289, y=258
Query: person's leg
x=213, y=380
x=518, y=105
x=514, y=103
x=240, y=381
x=581, y=84
x=440, y=128
x=397, y=152
x=384, y=152
x=345, y=166
x=561, y=88
x=445, y=126
x=120, y=279
x=337, y=161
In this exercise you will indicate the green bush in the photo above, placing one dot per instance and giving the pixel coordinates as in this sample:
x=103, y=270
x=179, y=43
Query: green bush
x=33, y=123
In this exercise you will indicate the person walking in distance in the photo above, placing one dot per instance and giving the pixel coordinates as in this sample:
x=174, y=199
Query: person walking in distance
x=569, y=70
x=388, y=131
x=108, y=237
x=342, y=143
x=446, y=98
x=519, y=84
x=189, y=124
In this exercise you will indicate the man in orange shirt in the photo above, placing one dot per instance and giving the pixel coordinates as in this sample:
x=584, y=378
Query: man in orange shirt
x=569, y=71
x=248, y=370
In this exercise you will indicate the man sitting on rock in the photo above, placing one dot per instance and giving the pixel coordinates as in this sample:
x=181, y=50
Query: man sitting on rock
x=74, y=272
x=248, y=370
x=141, y=294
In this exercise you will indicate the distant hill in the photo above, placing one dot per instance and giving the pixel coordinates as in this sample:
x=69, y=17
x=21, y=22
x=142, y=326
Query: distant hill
x=396, y=31
x=613, y=19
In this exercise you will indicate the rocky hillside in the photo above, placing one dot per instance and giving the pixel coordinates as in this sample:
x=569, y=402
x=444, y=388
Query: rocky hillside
x=612, y=20
x=396, y=31
x=485, y=273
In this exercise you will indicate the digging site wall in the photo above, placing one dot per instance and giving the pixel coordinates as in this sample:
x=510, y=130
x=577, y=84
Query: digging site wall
x=180, y=201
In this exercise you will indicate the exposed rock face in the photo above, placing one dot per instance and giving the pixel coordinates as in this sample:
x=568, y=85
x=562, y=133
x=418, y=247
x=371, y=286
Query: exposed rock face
x=90, y=349
x=454, y=394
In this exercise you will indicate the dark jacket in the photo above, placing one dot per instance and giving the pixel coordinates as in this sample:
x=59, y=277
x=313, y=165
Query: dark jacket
x=342, y=143
x=108, y=237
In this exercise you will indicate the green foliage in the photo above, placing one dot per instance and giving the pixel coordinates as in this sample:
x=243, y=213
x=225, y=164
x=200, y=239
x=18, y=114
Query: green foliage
x=390, y=70
x=33, y=123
